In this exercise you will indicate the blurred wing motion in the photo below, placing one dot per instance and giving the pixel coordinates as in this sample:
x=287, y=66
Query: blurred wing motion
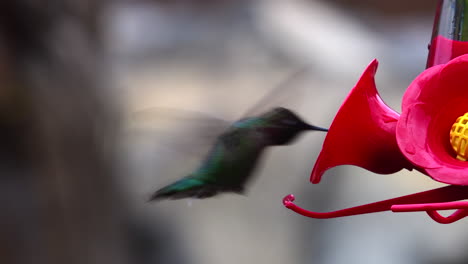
x=236, y=152
x=286, y=94
x=189, y=132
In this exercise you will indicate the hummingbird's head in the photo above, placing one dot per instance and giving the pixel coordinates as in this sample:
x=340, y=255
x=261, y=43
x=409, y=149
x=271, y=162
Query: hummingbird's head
x=282, y=125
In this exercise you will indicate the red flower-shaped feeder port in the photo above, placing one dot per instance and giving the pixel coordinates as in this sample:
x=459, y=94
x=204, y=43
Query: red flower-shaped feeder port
x=430, y=135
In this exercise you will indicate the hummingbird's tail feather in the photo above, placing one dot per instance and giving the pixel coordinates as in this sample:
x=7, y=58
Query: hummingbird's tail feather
x=185, y=188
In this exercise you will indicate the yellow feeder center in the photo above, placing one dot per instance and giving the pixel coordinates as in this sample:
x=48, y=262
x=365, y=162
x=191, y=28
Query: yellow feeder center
x=459, y=137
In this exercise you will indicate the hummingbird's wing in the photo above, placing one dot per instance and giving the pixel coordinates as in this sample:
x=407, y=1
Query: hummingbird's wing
x=288, y=91
x=189, y=131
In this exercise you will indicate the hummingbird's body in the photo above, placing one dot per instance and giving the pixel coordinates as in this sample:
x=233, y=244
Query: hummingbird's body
x=233, y=158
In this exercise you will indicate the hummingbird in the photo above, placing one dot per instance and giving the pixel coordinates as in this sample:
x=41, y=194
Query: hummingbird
x=232, y=160
x=237, y=149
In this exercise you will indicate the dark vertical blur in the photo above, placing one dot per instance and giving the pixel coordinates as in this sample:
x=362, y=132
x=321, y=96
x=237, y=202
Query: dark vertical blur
x=58, y=197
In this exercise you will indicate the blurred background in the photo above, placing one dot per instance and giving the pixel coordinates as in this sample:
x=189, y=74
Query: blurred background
x=83, y=73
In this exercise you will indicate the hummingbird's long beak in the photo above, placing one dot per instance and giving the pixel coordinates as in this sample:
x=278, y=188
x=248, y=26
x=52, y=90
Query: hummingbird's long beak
x=312, y=127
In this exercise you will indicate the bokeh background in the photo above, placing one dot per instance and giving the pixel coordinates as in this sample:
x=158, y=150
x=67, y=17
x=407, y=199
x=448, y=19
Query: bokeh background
x=218, y=58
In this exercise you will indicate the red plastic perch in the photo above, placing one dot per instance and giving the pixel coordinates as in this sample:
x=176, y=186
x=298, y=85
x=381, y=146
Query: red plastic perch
x=430, y=201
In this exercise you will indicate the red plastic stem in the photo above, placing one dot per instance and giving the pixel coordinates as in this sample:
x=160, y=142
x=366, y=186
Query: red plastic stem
x=445, y=194
x=431, y=210
x=429, y=206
